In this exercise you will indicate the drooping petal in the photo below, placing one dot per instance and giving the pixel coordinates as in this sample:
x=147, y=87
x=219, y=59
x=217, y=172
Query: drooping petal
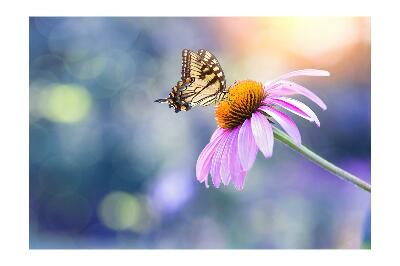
x=247, y=147
x=237, y=172
x=303, y=72
x=296, y=107
x=287, y=106
x=290, y=88
x=215, y=170
x=239, y=179
x=225, y=169
x=204, y=161
x=262, y=132
x=216, y=133
x=285, y=121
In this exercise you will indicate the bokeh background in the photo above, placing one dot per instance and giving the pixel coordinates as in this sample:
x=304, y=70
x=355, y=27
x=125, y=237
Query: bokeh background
x=111, y=169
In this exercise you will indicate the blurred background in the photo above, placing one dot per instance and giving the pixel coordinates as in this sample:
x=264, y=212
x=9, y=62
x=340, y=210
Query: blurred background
x=111, y=169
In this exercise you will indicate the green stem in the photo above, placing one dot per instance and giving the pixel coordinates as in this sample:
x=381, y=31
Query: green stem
x=281, y=136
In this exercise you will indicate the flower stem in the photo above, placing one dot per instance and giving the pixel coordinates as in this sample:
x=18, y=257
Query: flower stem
x=281, y=136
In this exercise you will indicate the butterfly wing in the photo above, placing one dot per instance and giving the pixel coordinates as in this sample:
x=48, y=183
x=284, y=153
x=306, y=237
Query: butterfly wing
x=202, y=82
x=213, y=63
x=204, y=76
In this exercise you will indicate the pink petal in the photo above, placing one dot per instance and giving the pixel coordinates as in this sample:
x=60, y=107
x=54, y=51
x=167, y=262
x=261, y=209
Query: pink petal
x=288, y=106
x=225, y=169
x=303, y=72
x=285, y=121
x=262, y=132
x=239, y=179
x=290, y=88
x=204, y=161
x=215, y=170
x=237, y=172
x=217, y=133
x=296, y=107
x=247, y=147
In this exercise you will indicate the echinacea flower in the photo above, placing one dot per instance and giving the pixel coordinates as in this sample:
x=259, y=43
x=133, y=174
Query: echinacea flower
x=244, y=126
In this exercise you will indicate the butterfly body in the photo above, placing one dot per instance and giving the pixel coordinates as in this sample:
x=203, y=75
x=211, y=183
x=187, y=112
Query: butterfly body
x=202, y=82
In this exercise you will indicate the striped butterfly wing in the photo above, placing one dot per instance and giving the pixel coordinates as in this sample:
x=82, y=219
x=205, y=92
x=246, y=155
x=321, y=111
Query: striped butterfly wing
x=213, y=63
x=203, y=77
x=202, y=82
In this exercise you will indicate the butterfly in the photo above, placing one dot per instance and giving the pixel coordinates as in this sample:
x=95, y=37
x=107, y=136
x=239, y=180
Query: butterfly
x=202, y=82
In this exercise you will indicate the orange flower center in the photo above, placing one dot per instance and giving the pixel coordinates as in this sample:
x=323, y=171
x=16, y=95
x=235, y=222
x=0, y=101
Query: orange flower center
x=243, y=99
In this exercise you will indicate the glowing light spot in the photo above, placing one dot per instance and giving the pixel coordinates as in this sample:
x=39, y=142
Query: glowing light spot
x=315, y=36
x=86, y=68
x=120, y=211
x=172, y=190
x=65, y=103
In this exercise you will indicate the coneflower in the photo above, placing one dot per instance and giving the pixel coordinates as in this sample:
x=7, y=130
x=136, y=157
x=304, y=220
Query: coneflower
x=244, y=126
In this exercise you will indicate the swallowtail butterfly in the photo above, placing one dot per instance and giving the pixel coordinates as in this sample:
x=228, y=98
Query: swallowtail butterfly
x=202, y=82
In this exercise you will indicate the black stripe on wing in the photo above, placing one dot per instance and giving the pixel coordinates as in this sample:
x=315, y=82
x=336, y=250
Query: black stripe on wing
x=212, y=62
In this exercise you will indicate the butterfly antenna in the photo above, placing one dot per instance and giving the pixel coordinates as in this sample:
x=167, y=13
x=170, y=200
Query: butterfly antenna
x=161, y=100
